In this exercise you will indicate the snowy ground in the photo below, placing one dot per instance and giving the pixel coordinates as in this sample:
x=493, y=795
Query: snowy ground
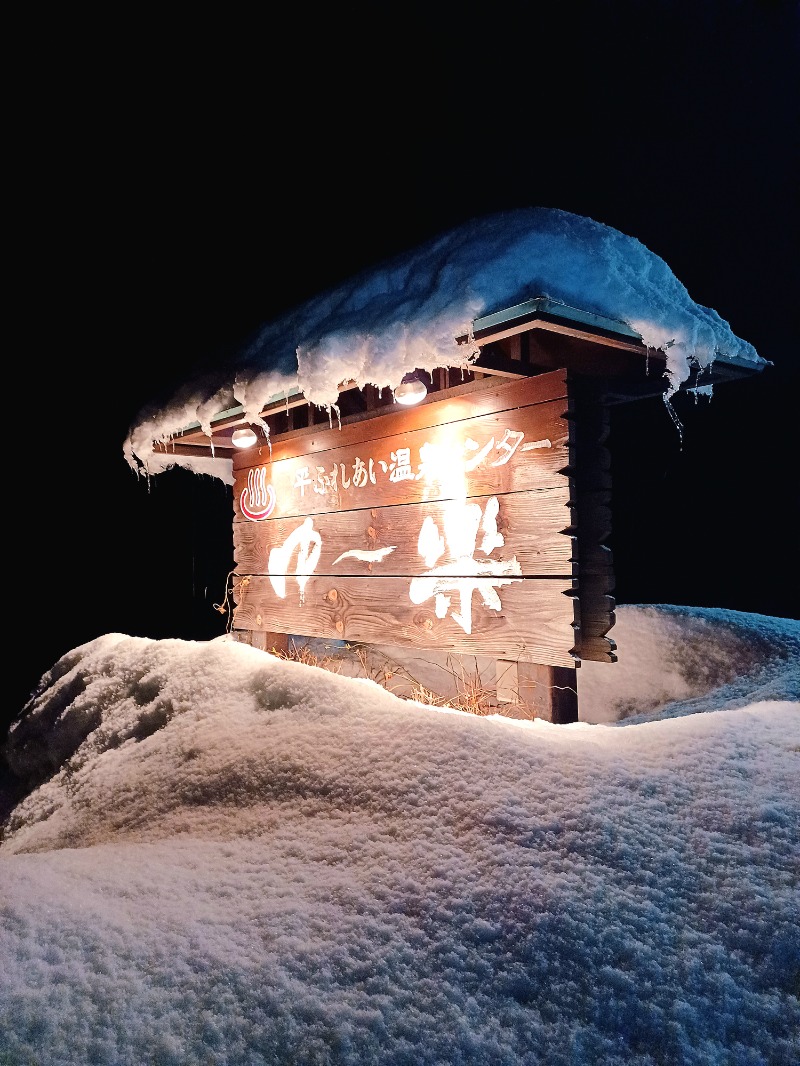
x=227, y=858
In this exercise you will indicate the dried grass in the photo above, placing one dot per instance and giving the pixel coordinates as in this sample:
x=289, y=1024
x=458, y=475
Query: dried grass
x=471, y=694
x=305, y=653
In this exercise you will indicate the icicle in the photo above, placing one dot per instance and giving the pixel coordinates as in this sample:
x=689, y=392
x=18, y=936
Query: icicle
x=702, y=390
x=674, y=416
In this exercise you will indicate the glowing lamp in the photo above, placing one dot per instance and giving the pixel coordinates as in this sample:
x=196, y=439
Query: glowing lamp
x=411, y=390
x=244, y=438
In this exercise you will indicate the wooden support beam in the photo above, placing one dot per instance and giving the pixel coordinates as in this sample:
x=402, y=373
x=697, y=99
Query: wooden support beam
x=551, y=692
x=548, y=692
x=276, y=643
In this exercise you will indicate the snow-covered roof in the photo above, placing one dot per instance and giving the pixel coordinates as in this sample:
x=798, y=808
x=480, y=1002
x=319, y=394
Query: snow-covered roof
x=426, y=309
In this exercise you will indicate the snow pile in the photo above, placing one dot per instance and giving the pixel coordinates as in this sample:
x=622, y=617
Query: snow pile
x=410, y=311
x=681, y=660
x=233, y=859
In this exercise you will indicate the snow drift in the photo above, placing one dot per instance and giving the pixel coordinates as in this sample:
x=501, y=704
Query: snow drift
x=228, y=858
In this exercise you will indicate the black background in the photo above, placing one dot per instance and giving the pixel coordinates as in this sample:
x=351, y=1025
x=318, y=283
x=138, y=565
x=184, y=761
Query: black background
x=176, y=185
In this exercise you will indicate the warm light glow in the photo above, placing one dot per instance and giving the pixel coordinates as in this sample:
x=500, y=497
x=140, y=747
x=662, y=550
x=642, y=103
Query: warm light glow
x=410, y=390
x=244, y=438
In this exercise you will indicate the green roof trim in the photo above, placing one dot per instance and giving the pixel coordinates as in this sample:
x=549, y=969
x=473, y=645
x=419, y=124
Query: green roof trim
x=542, y=305
x=232, y=412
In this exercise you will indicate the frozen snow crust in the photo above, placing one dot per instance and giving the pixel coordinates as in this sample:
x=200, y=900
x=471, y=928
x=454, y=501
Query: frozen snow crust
x=408, y=312
x=233, y=859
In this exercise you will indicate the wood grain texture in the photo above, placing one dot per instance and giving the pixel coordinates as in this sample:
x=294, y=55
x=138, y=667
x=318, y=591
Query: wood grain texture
x=337, y=507
x=533, y=526
x=536, y=622
x=487, y=455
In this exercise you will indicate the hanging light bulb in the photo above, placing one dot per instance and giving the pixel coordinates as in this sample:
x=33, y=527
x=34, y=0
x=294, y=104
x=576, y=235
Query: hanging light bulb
x=412, y=389
x=244, y=438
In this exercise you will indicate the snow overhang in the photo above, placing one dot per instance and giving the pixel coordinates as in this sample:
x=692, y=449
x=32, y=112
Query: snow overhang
x=525, y=339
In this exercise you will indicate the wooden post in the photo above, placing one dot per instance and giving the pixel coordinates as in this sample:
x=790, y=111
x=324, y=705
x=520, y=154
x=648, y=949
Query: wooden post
x=262, y=640
x=276, y=642
x=548, y=692
x=551, y=692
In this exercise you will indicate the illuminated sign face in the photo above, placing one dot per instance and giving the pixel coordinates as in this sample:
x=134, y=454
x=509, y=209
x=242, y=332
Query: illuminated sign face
x=443, y=469
x=452, y=527
x=441, y=466
x=461, y=574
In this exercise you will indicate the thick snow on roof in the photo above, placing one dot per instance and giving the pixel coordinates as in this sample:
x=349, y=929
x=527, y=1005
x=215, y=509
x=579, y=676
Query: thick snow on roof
x=409, y=311
x=230, y=858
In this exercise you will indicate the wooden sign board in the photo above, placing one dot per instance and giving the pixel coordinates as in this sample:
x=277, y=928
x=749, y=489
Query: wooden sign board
x=451, y=526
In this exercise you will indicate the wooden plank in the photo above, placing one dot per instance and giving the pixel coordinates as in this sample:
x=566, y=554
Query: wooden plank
x=598, y=559
x=596, y=618
x=535, y=621
x=508, y=451
x=597, y=649
x=597, y=612
x=432, y=413
x=594, y=510
x=385, y=540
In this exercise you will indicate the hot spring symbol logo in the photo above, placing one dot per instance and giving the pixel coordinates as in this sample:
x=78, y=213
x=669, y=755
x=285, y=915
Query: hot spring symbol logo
x=257, y=500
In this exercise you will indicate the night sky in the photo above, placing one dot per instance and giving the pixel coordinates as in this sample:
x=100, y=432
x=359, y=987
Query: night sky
x=183, y=184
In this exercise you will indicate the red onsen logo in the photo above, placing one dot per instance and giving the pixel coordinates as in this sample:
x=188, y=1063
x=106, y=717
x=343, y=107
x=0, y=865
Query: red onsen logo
x=257, y=501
